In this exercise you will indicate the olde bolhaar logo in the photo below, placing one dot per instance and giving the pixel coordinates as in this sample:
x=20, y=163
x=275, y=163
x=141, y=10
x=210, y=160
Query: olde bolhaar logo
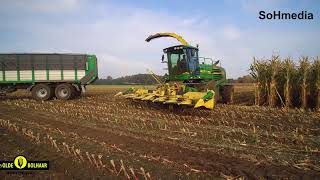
x=21, y=163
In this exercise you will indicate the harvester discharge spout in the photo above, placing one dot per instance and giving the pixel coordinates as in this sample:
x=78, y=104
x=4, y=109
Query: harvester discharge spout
x=173, y=35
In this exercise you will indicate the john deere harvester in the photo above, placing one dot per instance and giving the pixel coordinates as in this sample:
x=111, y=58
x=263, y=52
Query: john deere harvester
x=191, y=80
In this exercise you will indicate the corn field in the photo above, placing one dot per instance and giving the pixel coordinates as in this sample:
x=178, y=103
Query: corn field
x=287, y=83
x=100, y=136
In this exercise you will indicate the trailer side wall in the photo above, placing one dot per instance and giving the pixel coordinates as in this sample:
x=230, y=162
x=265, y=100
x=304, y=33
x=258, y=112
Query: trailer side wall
x=33, y=68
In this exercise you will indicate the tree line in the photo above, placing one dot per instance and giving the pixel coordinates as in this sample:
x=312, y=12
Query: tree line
x=146, y=79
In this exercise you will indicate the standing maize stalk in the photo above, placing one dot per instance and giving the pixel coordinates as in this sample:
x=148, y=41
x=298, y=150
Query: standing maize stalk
x=304, y=68
x=274, y=66
x=294, y=86
x=258, y=70
x=317, y=64
x=256, y=75
x=287, y=87
x=316, y=81
x=257, y=93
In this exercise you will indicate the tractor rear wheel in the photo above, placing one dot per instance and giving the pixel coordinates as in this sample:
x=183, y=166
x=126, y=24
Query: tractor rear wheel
x=42, y=92
x=65, y=91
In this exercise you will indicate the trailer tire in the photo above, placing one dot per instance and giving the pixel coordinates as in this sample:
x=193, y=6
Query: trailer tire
x=77, y=93
x=65, y=91
x=42, y=92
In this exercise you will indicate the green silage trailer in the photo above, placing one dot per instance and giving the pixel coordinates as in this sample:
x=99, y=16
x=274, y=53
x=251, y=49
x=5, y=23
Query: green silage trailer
x=47, y=76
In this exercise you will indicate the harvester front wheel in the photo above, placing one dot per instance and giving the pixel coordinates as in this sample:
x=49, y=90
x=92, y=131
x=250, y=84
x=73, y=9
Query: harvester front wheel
x=212, y=85
x=65, y=91
x=228, y=94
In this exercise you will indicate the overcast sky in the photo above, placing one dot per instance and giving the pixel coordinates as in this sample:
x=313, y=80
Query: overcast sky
x=115, y=30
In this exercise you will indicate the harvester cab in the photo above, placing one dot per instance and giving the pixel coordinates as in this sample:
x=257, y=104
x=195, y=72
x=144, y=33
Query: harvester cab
x=182, y=60
x=189, y=82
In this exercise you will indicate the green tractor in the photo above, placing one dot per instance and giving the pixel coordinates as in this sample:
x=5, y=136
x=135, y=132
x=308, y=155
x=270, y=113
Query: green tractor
x=190, y=81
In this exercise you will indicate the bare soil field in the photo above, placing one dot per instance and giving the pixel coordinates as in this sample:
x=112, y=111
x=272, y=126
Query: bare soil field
x=104, y=137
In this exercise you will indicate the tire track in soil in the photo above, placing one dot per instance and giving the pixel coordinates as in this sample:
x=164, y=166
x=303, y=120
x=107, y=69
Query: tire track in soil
x=212, y=162
x=60, y=167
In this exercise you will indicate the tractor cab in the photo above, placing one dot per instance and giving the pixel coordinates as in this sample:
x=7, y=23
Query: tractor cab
x=183, y=61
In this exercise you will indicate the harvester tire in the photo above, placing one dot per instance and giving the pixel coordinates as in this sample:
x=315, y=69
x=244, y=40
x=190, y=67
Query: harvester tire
x=212, y=86
x=42, y=92
x=228, y=93
x=65, y=91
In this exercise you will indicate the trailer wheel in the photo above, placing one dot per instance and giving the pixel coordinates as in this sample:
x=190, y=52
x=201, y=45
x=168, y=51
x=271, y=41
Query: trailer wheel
x=65, y=91
x=77, y=93
x=42, y=92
